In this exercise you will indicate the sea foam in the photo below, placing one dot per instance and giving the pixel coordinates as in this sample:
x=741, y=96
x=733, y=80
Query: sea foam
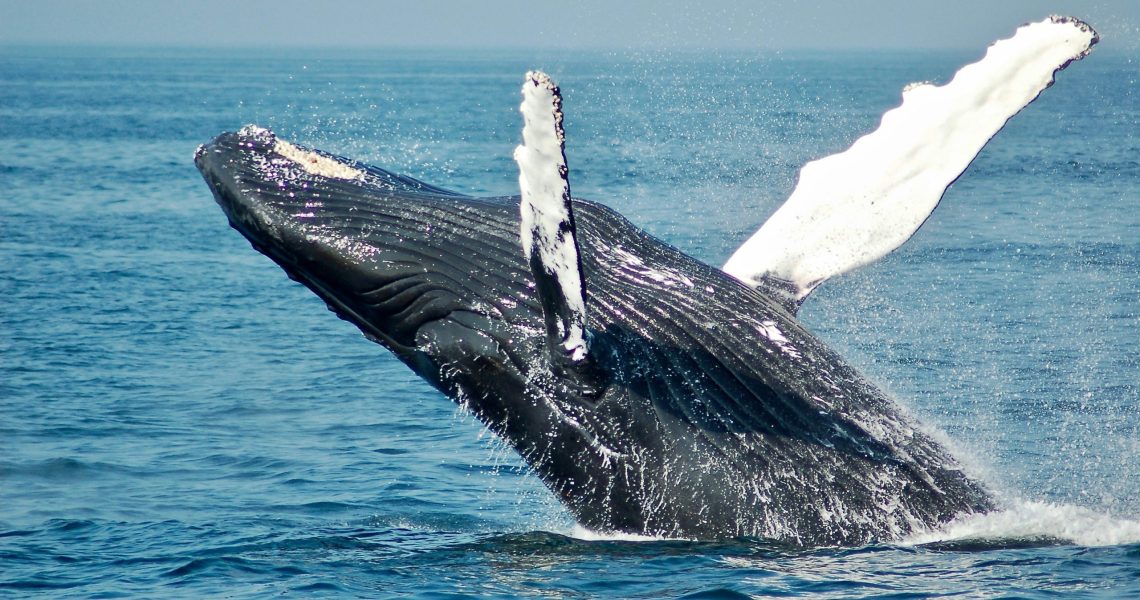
x=1036, y=519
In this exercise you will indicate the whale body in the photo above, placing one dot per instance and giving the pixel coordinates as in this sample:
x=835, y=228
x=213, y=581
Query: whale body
x=709, y=413
x=652, y=393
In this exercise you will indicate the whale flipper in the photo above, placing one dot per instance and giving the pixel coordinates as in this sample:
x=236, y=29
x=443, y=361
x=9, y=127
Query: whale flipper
x=547, y=228
x=852, y=208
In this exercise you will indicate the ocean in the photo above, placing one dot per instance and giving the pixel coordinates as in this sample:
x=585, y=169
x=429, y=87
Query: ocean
x=178, y=419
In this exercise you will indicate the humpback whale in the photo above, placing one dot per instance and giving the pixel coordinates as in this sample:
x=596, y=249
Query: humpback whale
x=652, y=393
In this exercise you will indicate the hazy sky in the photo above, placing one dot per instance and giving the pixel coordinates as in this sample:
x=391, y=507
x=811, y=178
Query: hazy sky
x=568, y=24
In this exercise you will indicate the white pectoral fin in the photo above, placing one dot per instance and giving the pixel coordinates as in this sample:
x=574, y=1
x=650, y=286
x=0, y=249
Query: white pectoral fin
x=547, y=220
x=853, y=208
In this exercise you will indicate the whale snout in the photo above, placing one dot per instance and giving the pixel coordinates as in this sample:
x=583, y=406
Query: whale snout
x=270, y=189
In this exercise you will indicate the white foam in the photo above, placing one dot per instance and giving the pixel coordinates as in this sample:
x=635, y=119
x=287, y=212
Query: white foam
x=588, y=535
x=1031, y=519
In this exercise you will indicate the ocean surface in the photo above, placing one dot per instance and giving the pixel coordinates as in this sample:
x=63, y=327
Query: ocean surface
x=178, y=419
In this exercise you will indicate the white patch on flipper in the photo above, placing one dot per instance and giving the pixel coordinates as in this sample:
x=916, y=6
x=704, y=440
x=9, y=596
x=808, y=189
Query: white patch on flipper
x=545, y=205
x=853, y=208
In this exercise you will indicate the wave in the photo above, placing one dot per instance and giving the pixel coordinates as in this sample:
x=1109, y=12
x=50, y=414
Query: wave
x=1036, y=520
x=1026, y=523
x=587, y=535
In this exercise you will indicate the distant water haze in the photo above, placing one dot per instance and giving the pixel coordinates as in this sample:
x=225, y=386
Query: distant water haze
x=667, y=24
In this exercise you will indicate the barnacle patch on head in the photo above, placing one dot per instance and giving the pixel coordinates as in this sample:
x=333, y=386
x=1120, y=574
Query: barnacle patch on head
x=315, y=163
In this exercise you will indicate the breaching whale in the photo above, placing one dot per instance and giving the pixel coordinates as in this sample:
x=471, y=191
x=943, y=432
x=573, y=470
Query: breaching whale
x=652, y=393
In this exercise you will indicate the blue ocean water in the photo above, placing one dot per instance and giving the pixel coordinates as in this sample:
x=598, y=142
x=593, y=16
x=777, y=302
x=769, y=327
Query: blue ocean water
x=177, y=418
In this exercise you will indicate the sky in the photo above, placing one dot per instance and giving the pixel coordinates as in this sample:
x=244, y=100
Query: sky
x=581, y=24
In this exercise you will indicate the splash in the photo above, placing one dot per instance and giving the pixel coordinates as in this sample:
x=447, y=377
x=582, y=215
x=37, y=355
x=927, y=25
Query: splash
x=1036, y=519
x=581, y=533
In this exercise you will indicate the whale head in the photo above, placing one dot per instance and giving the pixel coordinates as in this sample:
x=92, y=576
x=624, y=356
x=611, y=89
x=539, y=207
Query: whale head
x=397, y=257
